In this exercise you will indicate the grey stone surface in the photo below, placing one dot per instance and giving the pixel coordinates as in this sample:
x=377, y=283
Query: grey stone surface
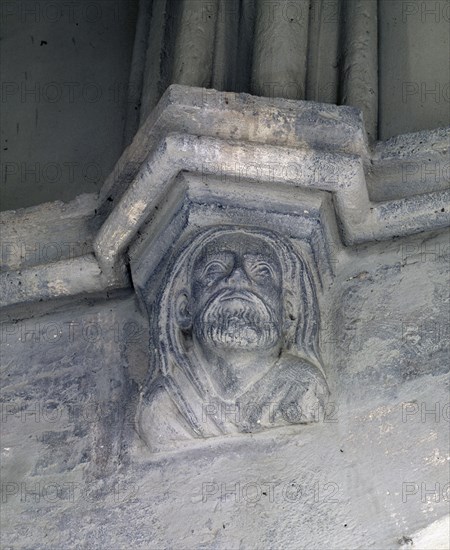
x=83, y=337
x=68, y=93
x=357, y=478
x=48, y=233
x=414, y=69
x=236, y=334
x=64, y=91
x=243, y=139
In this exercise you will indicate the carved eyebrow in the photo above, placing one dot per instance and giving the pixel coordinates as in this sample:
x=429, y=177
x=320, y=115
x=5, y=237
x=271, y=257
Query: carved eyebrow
x=211, y=263
x=261, y=263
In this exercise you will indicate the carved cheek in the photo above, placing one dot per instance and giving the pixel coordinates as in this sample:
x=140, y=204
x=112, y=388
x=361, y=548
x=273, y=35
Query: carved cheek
x=196, y=289
x=275, y=298
x=272, y=291
x=201, y=292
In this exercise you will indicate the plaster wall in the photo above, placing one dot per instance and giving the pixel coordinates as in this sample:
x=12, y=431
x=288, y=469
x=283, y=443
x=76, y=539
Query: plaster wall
x=358, y=478
x=70, y=91
x=370, y=473
x=414, y=68
x=64, y=87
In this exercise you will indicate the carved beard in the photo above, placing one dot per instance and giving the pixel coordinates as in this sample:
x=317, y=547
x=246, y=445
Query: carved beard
x=237, y=320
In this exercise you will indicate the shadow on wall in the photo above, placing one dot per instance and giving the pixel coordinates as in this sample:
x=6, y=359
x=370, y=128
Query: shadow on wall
x=65, y=72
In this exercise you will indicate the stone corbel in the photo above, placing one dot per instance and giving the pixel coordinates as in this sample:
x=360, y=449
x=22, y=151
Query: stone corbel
x=283, y=144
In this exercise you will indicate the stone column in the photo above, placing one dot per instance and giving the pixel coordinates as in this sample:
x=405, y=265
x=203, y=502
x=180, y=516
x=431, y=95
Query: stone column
x=137, y=71
x=359, y=72
x=226, y=46
x=153, y=77
x=322, y=81
x=280, y=49
x=245, y=48
x=194, y=46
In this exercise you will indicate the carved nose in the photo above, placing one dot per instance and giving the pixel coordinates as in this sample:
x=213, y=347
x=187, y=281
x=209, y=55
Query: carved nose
x=237, y=276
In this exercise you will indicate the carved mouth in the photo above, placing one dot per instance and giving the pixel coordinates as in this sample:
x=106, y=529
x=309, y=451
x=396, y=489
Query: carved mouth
x=237, y=318
x=242, y=296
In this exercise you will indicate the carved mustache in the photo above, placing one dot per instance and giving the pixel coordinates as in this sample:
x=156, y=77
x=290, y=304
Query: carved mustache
x=243, y=295
x=238, y=316
x=247, y=306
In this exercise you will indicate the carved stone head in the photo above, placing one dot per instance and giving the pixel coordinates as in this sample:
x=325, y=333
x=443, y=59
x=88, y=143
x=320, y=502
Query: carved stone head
x=238, y=288
x=235, y=303
x=234, y=300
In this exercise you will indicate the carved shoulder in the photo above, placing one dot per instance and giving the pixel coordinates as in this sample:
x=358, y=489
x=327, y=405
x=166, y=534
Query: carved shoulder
x=159, y=422
x=299, y=385
x=296, y=391
x=297, y=370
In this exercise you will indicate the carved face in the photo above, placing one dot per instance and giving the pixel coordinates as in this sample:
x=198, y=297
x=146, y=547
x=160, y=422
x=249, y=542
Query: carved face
x=236, y=294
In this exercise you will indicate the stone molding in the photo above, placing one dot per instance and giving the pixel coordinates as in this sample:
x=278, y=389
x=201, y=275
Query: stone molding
x=276, y=142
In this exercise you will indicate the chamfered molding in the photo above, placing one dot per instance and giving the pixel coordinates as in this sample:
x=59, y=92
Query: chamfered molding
x=241, y=143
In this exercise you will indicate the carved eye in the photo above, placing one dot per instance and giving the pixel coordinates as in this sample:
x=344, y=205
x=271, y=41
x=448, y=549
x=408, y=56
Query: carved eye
x=262, y=270
x=215, y=269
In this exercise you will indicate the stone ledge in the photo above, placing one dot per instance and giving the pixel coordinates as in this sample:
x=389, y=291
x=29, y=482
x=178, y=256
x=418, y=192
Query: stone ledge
x=234, y=137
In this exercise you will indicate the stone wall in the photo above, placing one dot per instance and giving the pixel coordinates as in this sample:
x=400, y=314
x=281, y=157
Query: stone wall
x=87, y=310
x=75, y=89
x=65, y=74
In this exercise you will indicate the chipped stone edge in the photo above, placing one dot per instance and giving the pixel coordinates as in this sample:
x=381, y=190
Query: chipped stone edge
x=159, y=153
